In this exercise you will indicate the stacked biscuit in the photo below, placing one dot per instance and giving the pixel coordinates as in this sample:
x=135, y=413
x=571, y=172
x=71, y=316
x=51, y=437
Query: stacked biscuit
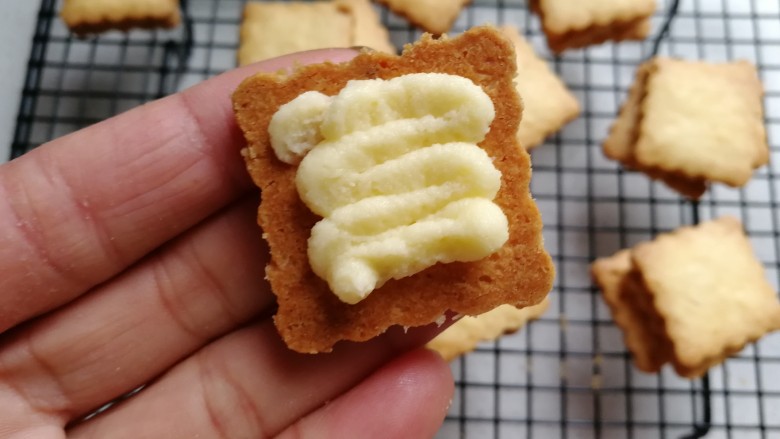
x=691, y=297
x=689, y=123
x=434, y=16
x=88, y=16
x=571, y=24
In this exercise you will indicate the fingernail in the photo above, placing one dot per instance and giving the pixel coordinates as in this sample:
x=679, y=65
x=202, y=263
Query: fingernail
x=362, y=49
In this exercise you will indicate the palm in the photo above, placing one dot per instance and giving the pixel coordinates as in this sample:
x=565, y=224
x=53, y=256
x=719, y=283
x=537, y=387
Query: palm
x=129, y=257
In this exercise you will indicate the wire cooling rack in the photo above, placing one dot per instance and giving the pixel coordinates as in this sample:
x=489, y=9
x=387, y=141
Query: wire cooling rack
x=568, y=374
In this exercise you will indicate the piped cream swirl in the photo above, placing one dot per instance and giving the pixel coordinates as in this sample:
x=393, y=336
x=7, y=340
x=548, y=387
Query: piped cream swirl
x=394, y=170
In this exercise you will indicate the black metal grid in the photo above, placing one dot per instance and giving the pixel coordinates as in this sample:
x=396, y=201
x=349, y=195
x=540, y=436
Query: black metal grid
x=567, y=374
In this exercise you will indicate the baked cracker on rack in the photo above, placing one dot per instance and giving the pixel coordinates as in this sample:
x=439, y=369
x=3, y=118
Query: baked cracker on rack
x=570, y=24
x=709, y=290
x=547, y=104
x=434, y=16
x=619, y=145
x=691, y=297
x=465, y=334
x=688, y=123
x=271, y=29
x=94, y=16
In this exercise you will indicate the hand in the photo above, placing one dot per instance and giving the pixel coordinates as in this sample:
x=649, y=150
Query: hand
x=129, y=256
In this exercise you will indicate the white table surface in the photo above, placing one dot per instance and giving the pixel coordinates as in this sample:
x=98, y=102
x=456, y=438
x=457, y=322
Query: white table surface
x=17, y=26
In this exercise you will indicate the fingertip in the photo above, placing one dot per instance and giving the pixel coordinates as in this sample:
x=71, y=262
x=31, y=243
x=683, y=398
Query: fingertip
x=407, y=398
x=436, y=377
x=419, y=387
x=434, y=362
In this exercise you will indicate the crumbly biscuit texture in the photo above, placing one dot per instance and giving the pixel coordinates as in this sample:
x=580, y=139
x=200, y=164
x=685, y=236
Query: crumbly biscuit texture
x=271, y=29
x=93, y=16
x=434, y=16
x=691, y=123
x=570, y=24
x=547, y=104
x=691, y=297
x=465, y=334
x=310, y=317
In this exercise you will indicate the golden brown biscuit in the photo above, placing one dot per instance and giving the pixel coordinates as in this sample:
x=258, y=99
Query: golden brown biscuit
x=673, y=125
x=93, y=16
x=310, y=317
x=703, y=120
x=271, y=29
x=547, y=104
x=434, y=16
x=570, y=24
x=710, y=291
x=691, y=297
x=465, y=334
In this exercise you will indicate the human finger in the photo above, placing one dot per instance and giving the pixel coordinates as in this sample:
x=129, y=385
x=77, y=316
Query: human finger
x=133, y=328
x=405, y=399
x=80, y=209
x=247, y=384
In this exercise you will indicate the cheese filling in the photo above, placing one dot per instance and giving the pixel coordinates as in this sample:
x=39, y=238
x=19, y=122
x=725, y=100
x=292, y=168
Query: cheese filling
x=394, y=169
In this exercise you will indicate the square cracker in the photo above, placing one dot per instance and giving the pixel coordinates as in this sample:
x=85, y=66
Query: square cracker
x=310, y=317
x=271, y=29
x=465, y=334
x=688, y=123
x=367, y=28
x=631, y=310
x=547, y=104
x=710, y=291
x=703, y=120
x=570, y=24
x=434, y=16
x=277, y=28
x=93, y=16
x=620, y=143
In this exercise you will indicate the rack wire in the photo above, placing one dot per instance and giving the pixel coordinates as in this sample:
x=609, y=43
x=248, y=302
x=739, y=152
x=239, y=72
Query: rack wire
x=567, y=374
